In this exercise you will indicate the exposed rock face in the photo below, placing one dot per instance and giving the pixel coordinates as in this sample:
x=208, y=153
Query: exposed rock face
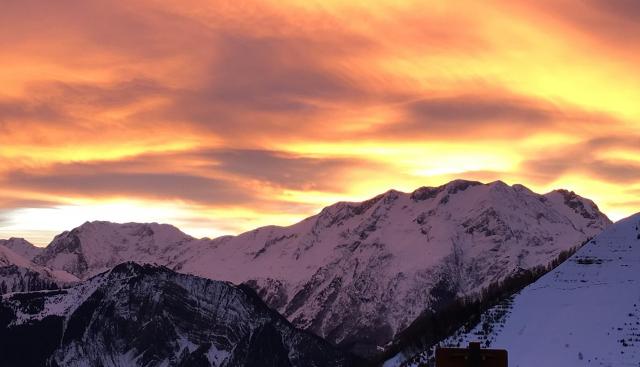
x=359, y=273
x=137, y=315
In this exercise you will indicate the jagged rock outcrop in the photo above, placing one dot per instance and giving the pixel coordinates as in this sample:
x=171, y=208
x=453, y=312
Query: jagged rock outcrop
x=136, y=315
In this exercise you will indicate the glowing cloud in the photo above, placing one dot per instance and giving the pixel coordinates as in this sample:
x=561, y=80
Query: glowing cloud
x=221, y=116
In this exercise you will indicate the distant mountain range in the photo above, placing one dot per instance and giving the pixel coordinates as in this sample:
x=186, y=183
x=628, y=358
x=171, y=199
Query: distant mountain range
x=584, y=312
x=357, y=274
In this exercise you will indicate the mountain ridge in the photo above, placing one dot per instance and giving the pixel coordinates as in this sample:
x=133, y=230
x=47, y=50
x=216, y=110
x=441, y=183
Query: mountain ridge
x=145, y=315
x=357, y=273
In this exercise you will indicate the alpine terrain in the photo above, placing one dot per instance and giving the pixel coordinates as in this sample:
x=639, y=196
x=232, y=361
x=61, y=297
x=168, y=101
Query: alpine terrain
x=144, y=315
x=359, y=273
x=98, y=246
x=19, y=274
x=586, y=312
x=21, y=247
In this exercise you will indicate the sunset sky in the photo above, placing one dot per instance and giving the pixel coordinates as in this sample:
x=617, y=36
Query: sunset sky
x=221, y=116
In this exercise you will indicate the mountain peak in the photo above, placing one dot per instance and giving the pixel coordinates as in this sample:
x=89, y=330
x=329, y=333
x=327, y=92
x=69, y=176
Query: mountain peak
x=17, y=239
x=132, y=268
x=99, y=225
x=456, y=186
x=499, y=183
x=161, y=318
x=97, y=246
x=582, y=206
x=22, y=247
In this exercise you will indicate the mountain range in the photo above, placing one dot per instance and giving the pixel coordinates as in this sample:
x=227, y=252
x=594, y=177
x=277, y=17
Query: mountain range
x=144, y=315
x=357, y=274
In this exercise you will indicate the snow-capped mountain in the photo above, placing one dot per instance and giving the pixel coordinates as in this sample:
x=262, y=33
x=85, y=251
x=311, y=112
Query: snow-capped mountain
x=96, y=247
x=18, y=274
x=21, y=247
x=584, y=312
x=359, y=273
x=135, y=315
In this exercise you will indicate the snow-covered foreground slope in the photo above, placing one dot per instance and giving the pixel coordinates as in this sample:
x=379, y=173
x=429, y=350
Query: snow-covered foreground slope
x=586, y=312
x=149, y=316
x=18, y=274
x=359, y=273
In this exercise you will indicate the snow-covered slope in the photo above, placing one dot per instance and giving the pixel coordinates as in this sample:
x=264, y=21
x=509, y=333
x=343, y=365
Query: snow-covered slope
x=358, y=273
x=18, y=274
x=586, y=312
x=21, y=247
x=9, y=257
x=136, y=315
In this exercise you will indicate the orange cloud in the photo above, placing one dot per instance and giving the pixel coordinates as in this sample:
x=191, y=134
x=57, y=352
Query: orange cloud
x=243, y=113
